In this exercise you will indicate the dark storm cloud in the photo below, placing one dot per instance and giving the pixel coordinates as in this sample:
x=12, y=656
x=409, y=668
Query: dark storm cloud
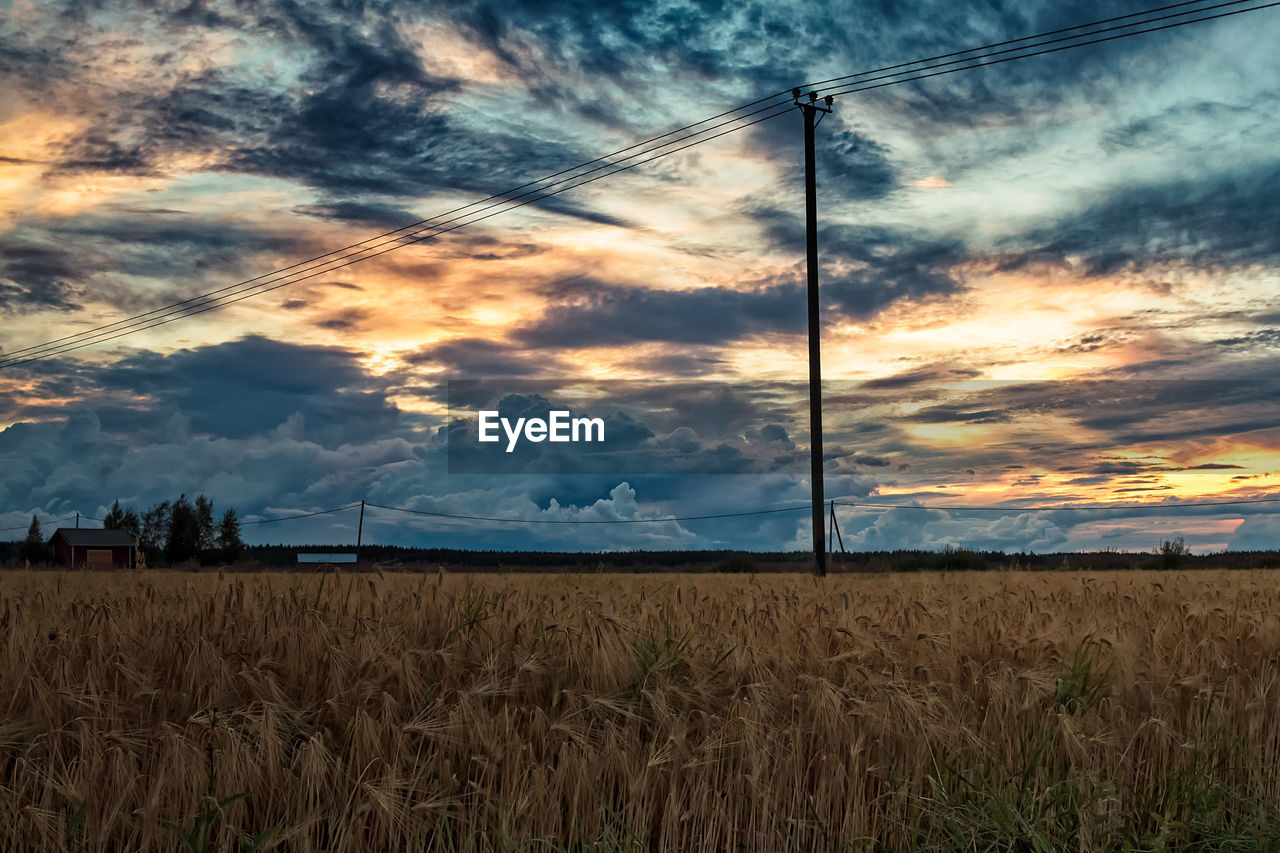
x=35, y=276
x=600, y=314
x=165, y=243
x=1268, y=339
x=1131, y=412
x=613, y=43
x=367, y=119
x=872, y=461
x=46, y=263
x=361, y=213
x=253, y=423
x=253, y=384
x=920, y=376
x=961, y=414
x=1005, y=93
x=1159, y=130
x=202, y=113
x=1210, y=222
x=772, y=47
x=865, y=271
x=1110, y=414
x=867, y=268
x=696, y=428
x=370, y=118
x=851, y=166
x=345, y=321
x=468, y=358
x=35, y=60
x=373, y=122
x=1071, y=427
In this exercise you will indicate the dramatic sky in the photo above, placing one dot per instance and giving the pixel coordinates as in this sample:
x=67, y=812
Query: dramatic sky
x=1045, y=281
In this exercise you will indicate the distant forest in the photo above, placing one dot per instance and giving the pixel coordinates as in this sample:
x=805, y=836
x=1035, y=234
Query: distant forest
x=1172, y=555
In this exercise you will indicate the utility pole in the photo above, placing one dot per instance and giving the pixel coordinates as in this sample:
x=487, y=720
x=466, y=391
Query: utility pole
x=77, y=521
x=813, y=113
x=360, y=533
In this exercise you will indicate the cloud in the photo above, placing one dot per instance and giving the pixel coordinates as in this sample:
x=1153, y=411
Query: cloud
x=62, y=264
x=34, y=276
x=926, y=529
x=597, y=314
x=648, y=428
x=245, y=387
x=865, y=269
x=470, y=358
x=1170, y=126
x=1257, y=533
x=1209, y=222
x=851, y=166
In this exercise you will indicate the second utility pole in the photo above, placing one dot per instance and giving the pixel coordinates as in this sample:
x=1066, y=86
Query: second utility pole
x=812, y=115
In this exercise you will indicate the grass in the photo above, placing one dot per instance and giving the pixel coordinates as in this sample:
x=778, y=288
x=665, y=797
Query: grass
x=952, y=711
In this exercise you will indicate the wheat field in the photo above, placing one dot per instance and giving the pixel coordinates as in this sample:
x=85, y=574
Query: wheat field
x=343, y=712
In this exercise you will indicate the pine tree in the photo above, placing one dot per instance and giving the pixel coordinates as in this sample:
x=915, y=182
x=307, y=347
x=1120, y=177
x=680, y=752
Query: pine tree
x=123, y=519
x=131, y=523
x=205, y=531
x=114, y=519
x=229, y=536
x=184, y=532
x=33, y=547
x=155, y=530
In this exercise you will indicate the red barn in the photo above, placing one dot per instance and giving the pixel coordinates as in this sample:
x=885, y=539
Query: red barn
x=74, y=548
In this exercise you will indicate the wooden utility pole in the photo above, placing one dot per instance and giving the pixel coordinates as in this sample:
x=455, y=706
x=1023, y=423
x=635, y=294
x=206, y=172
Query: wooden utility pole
x=813, y=112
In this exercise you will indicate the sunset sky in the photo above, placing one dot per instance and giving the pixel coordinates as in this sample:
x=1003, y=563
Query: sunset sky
x=1046, y=281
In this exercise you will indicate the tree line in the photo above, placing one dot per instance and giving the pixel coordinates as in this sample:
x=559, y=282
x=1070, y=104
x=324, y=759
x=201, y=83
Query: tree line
x=180, y=530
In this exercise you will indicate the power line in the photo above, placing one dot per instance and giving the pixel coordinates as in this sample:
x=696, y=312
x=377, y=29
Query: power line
x=586, y=520
x=1058, y=508
x=364, y=250
x=365, y=243
x=340, y=258
x=406, y=240
x=837, y=501
x=834, y=91
x=739, y=514
x=42, y=523
x=865, y=78
x=296, y=517
x=956, y=53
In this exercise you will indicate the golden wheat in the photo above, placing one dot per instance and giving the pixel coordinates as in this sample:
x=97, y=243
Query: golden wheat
x=614, y=712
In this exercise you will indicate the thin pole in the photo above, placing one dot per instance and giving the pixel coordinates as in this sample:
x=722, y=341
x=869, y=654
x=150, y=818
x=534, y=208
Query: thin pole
x=839, y=538
x=77, y=521
x=811, y=111
x=831, y=539
x=360, y=533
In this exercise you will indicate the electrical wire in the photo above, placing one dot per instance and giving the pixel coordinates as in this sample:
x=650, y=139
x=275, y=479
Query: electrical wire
x=406, y=240
x=42, y=523
x=741, y=514
x=296, y=517
x=1059, y=508
x=836, y=91
x=586, y=520
x=149, y=319
x=806, y=507
x=364, y=243
x=845, y=80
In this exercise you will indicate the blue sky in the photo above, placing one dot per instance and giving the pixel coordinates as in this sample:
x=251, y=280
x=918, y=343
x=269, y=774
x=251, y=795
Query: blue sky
x=1062, y=272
